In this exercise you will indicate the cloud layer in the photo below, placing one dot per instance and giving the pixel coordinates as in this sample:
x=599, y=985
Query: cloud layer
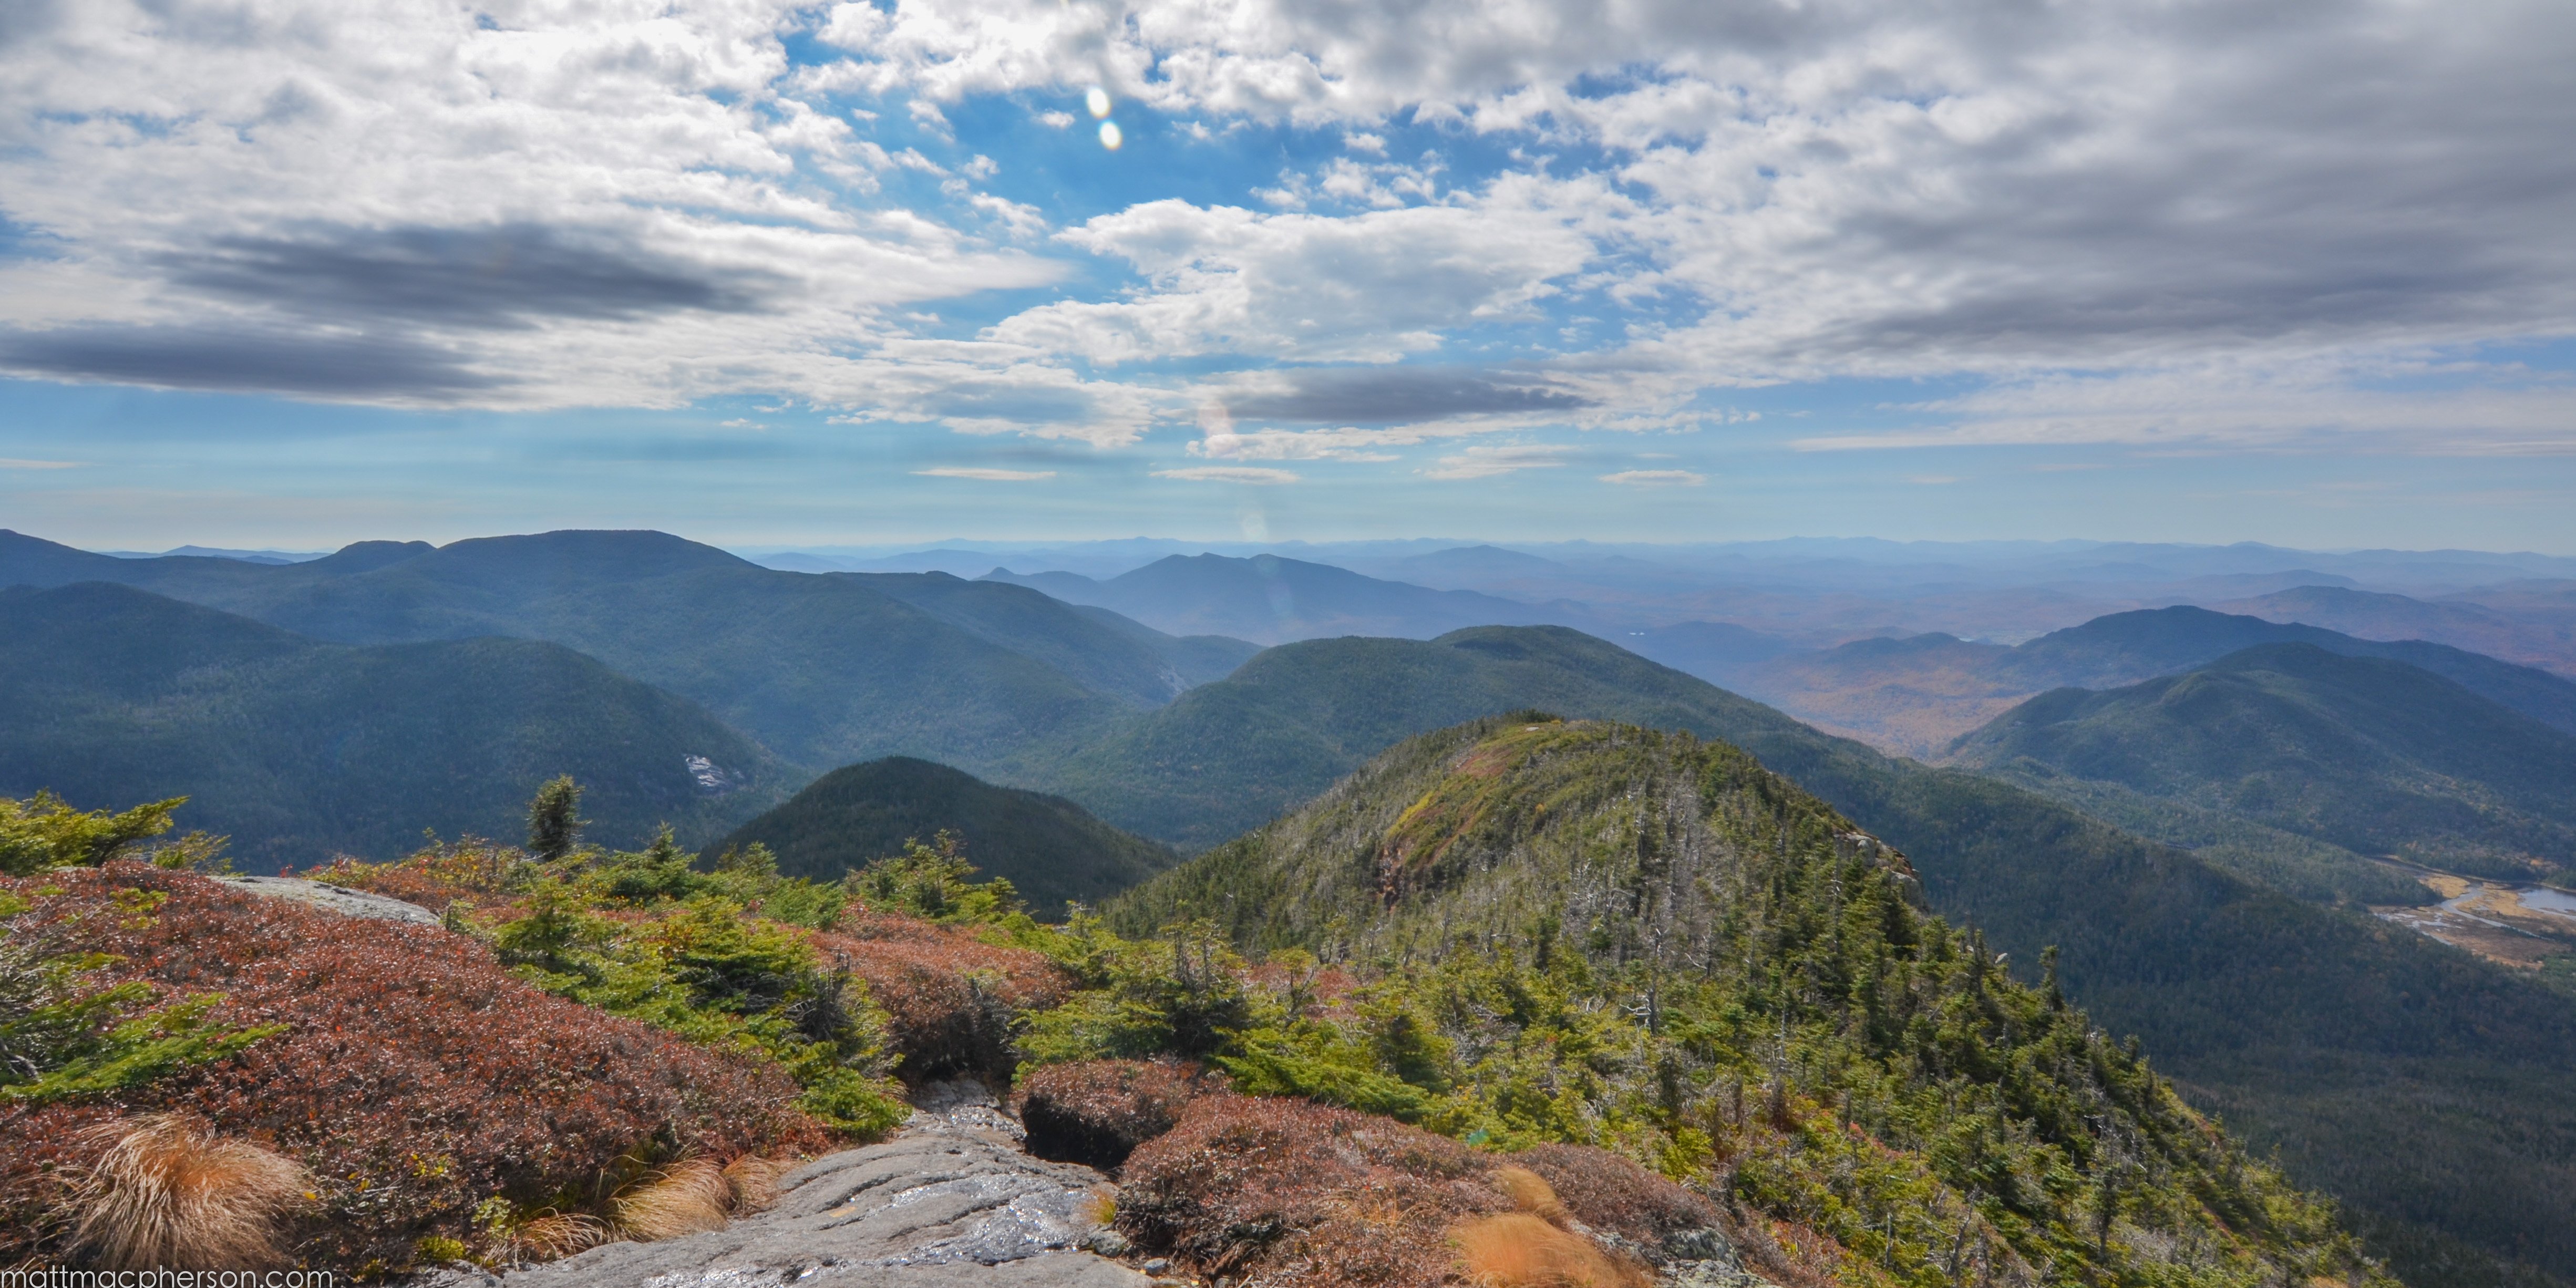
x=1340, y=230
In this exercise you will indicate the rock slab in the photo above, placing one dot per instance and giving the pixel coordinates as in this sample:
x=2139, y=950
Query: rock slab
x=952, y=1200
x=347, y=903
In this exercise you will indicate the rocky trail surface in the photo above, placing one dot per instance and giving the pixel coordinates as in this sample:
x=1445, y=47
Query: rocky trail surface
x=951, y=1200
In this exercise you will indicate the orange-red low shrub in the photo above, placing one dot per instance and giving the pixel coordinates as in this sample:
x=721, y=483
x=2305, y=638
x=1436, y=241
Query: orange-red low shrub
x=1097, y=1112
x=1296, y=1194
x=416, y=1078
x=1608, y=1192
x=949, y=997
x=1300, y=1195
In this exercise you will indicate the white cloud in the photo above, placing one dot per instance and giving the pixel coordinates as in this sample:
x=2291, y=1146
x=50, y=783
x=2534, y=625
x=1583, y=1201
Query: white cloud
x=1656, y=478
x=1486, y=462
x=1367, y=288
x=985, y=474
x=1228, y=474
x=15, y=463
x=2238, y=406
x=1870, y=187
x=2228, y=218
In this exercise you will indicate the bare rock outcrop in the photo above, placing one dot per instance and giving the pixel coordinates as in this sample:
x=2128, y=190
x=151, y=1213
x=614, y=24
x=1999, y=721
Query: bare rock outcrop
x=951, y=1200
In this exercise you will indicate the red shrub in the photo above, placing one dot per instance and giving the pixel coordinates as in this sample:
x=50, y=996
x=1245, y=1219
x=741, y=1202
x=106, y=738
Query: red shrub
x=949, y=996
x=1295, y=1194
x=1097, y=1112
x=1608, y=1192
x=416, y=1077
x=433, y=878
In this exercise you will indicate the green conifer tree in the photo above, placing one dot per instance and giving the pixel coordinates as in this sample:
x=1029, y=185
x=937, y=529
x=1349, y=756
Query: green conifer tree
x=554, y=819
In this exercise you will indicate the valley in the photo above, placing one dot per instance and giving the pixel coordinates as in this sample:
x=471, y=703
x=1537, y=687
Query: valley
x=2526, y=926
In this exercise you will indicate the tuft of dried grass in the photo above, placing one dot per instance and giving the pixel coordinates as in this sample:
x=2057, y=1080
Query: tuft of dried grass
x=688, y=1197
x=555, y=1235
x=168, y=1193
x=754, y=1182
x=1532, y=1194
x=1523, y=1250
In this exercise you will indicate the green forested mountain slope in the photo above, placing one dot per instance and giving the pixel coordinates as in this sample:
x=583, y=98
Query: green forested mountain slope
x=1228, y=756
x=2425, y=1088
x=1051, y=849
x=2124, y=648
x=2368, y=754
x=299, y=749
x=824, y=670
x=1744, y=957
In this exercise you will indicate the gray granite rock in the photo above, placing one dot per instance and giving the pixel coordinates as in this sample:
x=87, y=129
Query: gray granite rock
x=952, y=1200
x=347, y=903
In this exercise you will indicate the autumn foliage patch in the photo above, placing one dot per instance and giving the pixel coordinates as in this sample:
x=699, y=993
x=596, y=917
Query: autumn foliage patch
x=1097, y=1112
x=950, y=997
x=423, y=1090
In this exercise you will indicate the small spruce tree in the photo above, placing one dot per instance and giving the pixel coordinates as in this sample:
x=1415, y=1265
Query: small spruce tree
x=554, y=819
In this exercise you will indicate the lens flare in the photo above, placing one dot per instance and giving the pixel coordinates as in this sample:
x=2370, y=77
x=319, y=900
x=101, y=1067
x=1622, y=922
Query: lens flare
x=1110, y=136
x=1097, y=99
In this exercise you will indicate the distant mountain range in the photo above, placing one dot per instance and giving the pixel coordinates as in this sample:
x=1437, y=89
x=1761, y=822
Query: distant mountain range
x=2533, y=623
x=2368, y=754
x=823, y=670
x=1915, y=695
x=1271, y=600
x=300, y=750
x=1051, y=849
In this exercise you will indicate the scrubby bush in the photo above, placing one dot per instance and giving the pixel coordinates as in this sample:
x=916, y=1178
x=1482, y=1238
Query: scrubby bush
x=426, y=1091
x=1097, y=1112
x=1607, y=1192
x=46, y=832
x=67, y=1030
x=1293, y=1193
x=953, y=999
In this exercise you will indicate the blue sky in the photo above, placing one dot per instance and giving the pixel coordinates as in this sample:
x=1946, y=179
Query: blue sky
x=278, y=273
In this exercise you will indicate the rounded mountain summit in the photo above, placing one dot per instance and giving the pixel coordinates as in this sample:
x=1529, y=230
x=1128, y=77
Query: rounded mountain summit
x=1051, y=849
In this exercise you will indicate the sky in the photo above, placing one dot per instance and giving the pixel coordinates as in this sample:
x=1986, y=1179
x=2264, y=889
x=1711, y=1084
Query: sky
x=298, y=272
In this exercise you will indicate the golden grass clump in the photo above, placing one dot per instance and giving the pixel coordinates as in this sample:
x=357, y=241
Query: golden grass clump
x=688, y=1197
x=1532, y=1194
x=169, y=1194
x=555, y=1235
x=753, y=1182
x=1523, y=1250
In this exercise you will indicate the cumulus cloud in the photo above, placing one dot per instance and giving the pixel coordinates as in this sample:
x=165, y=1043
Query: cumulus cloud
x=1366, y=288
